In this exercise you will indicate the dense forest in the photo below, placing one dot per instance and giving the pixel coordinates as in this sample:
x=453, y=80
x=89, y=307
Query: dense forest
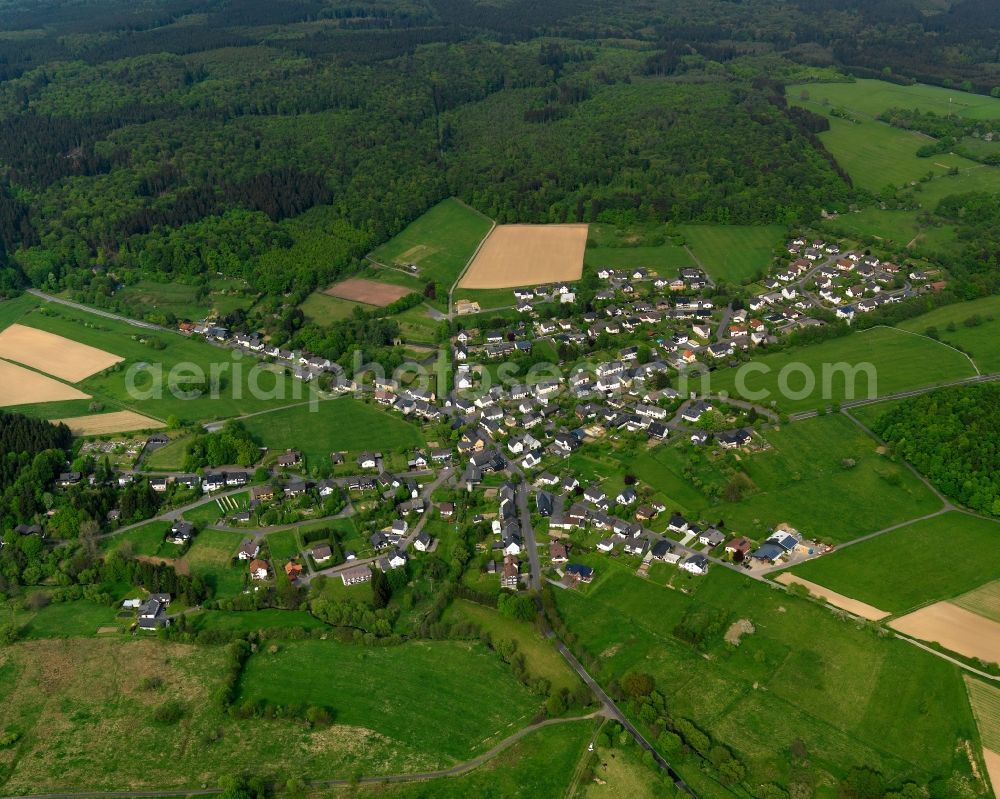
x=952, y=436
x=279, y=142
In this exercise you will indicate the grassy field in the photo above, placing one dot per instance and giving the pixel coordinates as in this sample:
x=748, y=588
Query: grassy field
x=802, y=480
x=733, y=253
x=541, y=657
x=210, y=512
x=182, y=300
x=775, y=687
x=540, y=766
x=981, y=340
x=901, y=361
x=284, y=546
x=872, y=97
x=619, y=248
x=984, y=600
x=418, y=327
x=622, y=773
x=440, y=242
x=144, y=540
x=169, y=457
x=209, y=557
x=487, y=299
x=417, y=693
x=81, y=618
x=876, y=154
x=910, y=567
x=164, y=350
x=343, y=424
x=324, y=309
x=899, y=227
x=251, y=621
x=79, y=705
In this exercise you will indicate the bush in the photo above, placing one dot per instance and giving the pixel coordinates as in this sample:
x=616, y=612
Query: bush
x=170, y=712
x=636, y=684
x=9, y=633
x=9, y=738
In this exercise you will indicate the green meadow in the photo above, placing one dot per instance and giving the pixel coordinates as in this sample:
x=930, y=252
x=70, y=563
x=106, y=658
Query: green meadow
x=972, y=326
x=872, y=97
x=254, y=620
x=449, y=699
x=343, y=424
x=324, y=310
x=79, y=703
x=924, y=562
x=182, y=300
x=81, y=618
x=147, y=539
x=665, y=259
x=734, y=253
x=775, y=688
x=899, y=361
x=823, y=476
x=440, y=242
x=210, y=558
x=877, y=155
x=541, y=765
x=541, y=657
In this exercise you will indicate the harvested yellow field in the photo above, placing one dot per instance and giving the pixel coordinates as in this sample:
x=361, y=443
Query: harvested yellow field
x=862, y=609
x=52, y=354
x=992, y=760
x=101, y=423
x=984, y=600
x=954, y=628
x=527, y=255
x=20, y=386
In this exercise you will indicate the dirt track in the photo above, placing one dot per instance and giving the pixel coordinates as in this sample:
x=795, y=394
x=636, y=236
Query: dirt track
x=367, y=291
x=52, y=354
x=527, y=255
x=854, y=606
x=954, y=628
x=20, y=386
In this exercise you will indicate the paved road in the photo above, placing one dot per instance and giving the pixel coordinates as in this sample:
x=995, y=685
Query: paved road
x=613, y=711
x=535, y=573
x=453, y=771
x=722, y=329
x=913, y=392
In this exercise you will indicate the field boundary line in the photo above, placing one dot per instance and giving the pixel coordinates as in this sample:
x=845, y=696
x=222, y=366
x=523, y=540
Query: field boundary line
x=451, y=291
x=942, y=343
x=949, y=658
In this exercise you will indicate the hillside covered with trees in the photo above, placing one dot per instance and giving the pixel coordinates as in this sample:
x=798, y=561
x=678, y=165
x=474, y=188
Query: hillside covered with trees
x=952, y=436
x=278, y=143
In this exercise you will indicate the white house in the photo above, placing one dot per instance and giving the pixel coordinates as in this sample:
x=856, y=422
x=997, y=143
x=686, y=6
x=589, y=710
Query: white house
x=696, y=564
